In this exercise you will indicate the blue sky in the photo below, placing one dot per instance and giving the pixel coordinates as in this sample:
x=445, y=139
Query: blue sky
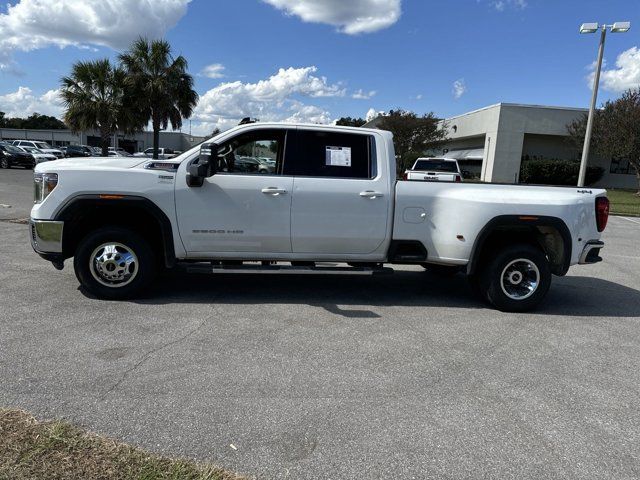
x=445, y=56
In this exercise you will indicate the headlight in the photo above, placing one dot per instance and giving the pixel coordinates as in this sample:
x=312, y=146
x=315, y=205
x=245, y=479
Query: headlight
x=43, y=185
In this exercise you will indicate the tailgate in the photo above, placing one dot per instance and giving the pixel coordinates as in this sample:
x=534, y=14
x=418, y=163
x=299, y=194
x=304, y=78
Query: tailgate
x=432, y=176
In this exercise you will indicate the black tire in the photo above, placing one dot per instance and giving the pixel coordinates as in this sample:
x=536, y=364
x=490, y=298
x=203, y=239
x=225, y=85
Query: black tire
x=92, y=275
x=5, y=163
x=515, y=271
x=442, y=270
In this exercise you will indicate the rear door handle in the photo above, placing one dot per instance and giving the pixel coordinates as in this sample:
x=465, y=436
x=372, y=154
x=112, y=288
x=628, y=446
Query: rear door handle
x=371, y=194
x=274, y=191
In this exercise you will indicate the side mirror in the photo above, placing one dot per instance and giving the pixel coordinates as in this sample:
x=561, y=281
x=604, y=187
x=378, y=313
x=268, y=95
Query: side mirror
x=204, y=167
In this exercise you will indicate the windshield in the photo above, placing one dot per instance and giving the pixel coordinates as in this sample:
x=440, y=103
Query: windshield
x=31, y=149
x=12, y=149
x=42, y=144
x=436, y=165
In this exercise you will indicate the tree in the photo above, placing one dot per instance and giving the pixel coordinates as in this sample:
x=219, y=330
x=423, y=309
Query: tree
x=412, y=135
x=162, y=87
x=33, y=121
x=616, y=130
x=95, y=99
x=351, y=122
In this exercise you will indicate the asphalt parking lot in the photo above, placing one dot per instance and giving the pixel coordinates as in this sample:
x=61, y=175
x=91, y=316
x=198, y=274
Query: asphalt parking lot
x=401, y=376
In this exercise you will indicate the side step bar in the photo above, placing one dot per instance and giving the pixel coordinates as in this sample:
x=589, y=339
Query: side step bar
x=286, y=269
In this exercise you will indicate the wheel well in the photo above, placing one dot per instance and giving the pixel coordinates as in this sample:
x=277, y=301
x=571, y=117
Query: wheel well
x=551, y=237
x=86, y=215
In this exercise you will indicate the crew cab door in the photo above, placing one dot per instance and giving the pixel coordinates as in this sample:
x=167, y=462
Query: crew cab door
x=341, y=194
x=241, y=209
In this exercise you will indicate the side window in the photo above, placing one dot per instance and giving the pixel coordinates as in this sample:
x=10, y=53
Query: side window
x=331, y=154
x=259, y=152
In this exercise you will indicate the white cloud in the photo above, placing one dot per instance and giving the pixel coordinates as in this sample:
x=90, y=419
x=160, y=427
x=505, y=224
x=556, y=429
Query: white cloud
x=215, y=70
x=459, y=88
x=351, y=17
x=373, y=113
x=501, y=5
x=308, y=114
x=23, y=103
x=362, y=95
x=419, y=96
x=274, y=99
x=34, y=24
x=624, y=76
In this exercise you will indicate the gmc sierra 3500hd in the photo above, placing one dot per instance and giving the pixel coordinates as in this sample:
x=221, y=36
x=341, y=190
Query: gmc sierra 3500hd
x=332, y=196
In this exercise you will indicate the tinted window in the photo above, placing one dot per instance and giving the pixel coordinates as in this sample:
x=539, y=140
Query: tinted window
x=436, y=165
x=257, y=152
x=330, y=154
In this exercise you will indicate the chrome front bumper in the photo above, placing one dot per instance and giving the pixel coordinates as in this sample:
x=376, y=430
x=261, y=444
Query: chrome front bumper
x=591, y=252
x=46, y=235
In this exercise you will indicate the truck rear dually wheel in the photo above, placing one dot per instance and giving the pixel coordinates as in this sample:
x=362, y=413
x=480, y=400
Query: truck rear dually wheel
x=114, y=263
x=516, y=279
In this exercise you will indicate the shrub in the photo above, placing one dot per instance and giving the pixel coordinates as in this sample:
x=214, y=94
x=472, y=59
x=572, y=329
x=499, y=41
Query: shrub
x=556, y=172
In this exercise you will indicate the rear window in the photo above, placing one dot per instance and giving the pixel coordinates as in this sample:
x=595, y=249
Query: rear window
x=330, y=154
x=436, y=165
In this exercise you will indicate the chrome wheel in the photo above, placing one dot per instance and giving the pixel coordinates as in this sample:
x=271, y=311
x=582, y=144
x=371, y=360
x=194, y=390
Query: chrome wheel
x=520, y=279
x=113, y=264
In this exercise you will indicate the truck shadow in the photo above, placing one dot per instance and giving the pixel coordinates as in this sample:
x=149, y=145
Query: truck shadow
x=568, y=296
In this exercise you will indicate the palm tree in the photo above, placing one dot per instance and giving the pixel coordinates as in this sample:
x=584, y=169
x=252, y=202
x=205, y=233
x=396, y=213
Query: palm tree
x=163, y=88
x=96, y=98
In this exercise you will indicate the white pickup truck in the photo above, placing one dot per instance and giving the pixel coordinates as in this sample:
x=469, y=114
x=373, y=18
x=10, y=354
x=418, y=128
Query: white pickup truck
x=332, y=205
x=434, y=170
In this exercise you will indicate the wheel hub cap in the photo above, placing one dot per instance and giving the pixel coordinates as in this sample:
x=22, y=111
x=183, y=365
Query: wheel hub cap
x=520, y=279
x=114, y=264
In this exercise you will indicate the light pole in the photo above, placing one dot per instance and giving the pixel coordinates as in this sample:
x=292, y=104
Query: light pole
x=618, y=27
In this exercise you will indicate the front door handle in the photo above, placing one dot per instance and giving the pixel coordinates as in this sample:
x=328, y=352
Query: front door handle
x=371, y=194
x=274, y=191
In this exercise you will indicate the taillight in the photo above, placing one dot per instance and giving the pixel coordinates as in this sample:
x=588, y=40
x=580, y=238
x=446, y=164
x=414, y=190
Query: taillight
x=458, y=178
x=405, y=176
x=602, y=212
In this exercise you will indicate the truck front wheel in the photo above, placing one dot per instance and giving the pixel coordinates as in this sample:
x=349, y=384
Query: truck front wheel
x=114, y=263
x=516, y=279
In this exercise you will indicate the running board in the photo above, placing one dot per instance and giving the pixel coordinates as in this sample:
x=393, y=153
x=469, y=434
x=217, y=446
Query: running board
x=286, y=269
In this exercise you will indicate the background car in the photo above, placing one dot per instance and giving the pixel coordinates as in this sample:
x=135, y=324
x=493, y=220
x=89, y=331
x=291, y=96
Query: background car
x=44, y=146
x=11, y=156
x=119, y=153
x=78, y=151
x=163, y=153
x=38, y=154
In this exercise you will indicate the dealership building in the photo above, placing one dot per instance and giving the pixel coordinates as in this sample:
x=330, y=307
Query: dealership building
x=138, y=142
x=492, y=142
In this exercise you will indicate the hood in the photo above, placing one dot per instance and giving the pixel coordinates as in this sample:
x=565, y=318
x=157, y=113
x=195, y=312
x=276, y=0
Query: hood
x=98, y=163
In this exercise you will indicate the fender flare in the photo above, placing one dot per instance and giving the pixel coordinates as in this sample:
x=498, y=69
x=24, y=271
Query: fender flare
x=520, y=221
x=78, y=202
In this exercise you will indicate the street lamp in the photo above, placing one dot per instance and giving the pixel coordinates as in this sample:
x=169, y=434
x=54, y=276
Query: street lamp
x=618, y=27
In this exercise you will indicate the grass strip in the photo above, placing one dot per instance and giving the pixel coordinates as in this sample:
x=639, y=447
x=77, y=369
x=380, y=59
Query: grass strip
x=59, y=450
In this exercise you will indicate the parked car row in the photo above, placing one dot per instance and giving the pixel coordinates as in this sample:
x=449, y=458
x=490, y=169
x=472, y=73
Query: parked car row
x=28, y=153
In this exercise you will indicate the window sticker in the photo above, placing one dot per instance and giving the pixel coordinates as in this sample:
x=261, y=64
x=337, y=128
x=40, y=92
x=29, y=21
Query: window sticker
x=338, y=156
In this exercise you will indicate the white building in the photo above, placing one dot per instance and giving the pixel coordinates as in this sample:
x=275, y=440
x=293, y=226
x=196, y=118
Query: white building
x=493, y=141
